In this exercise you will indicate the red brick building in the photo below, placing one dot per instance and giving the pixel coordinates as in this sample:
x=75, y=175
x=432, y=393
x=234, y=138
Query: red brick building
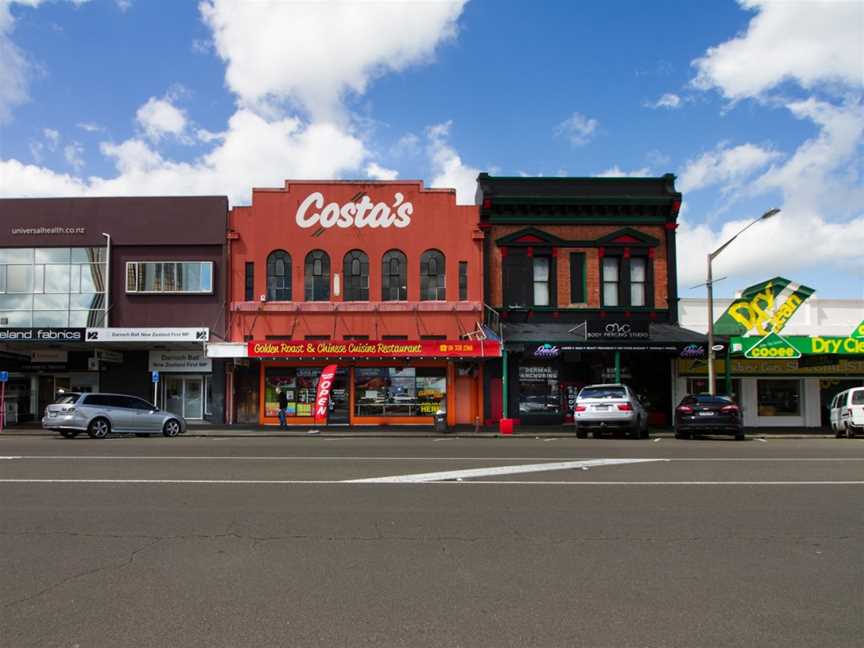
x=383, y=279
x=582, y=273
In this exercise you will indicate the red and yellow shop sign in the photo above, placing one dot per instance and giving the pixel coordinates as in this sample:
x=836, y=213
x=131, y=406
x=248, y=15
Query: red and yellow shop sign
x=375, y=349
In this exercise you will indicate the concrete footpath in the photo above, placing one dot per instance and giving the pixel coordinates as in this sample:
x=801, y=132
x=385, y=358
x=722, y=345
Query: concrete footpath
x=562, y=431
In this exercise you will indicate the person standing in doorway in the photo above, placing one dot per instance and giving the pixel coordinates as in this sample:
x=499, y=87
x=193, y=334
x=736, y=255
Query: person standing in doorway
x=283, y=406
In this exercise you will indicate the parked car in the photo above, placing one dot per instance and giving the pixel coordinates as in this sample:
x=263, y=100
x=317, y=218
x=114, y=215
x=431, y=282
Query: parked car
x=609, y=407
x=708, y=413
x=100, y=414
x=847, y=413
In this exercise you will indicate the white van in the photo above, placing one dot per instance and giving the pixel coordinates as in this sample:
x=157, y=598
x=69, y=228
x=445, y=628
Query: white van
x=847, y=413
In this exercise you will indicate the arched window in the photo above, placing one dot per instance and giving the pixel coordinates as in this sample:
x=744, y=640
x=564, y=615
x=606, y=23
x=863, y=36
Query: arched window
x=279, y=276
x=355, y=271
x=316, y=278
x=432, y=276
x=394, y=283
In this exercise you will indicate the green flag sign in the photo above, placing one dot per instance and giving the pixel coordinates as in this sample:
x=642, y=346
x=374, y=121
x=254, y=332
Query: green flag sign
x=763, y=308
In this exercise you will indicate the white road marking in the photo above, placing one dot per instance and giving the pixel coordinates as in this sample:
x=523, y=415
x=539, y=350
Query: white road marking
x=324, y=482
x=499, y=470
x=450, y=439
x=548, y=440
x=388, y=458
x=658, y=439
x=762, y=440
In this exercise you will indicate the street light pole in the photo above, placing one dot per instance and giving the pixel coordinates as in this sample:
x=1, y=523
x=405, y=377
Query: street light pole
x=710, y=283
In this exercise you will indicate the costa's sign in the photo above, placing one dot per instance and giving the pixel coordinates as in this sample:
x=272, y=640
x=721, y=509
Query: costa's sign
x=375, y=349
x=314, y=212
x=322, y=399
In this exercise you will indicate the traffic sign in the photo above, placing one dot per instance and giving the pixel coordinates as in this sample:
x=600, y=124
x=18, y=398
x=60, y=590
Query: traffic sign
x=155, y=376
x=4, y=376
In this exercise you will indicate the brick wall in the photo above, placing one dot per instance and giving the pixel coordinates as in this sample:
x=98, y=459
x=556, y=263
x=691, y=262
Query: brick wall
x=592, y=261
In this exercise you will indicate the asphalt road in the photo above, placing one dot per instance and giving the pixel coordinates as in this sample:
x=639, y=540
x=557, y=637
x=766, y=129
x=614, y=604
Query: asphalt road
x=499, y=542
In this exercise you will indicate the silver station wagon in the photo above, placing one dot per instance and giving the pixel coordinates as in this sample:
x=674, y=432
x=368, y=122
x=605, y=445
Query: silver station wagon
x=100, y=414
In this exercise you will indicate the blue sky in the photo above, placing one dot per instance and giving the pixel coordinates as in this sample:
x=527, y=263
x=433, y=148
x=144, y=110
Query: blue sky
x=753, y=104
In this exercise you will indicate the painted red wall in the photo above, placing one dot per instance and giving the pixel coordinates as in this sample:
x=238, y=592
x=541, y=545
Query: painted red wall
x=437, y=222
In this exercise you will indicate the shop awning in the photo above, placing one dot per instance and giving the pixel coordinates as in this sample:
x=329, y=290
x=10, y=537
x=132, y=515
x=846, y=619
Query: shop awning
x=590, y=336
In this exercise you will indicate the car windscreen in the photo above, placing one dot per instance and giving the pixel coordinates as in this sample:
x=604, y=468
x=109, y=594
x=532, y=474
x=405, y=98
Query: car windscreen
x=707, y=399
x=66, y=399
x=858, y=397
x=603, y=392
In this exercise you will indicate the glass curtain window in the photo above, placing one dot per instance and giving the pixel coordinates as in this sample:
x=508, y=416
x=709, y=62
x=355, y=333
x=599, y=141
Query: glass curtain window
x=432, y=276
x=394, y=283
x=355, y=271
x=638, y=281
x=611, y=281
x=165, y=277
x=541, y=280
x=316, y=278
x=52, y=287
x=278, y=276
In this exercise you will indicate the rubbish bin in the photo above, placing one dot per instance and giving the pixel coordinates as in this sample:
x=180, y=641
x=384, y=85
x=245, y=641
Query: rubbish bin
x=440, y=421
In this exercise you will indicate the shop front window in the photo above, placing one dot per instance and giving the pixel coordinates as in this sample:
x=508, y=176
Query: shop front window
x=779, y=397
x=399, y=391
x=297, y=383
x=539, y=392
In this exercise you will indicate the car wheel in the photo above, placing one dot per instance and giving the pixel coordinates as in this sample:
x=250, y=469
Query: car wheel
x=838, y=434
x=99, y=428
x=68, y=434
x=739, y=436
x=681, y=434
x=850, y=432
x=636, y=431
x=171, y=428
x=580, y=433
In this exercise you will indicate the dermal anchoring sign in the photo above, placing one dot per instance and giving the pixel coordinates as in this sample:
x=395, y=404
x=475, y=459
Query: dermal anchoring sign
x=313, y=212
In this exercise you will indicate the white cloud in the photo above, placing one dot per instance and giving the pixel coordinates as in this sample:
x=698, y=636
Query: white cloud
x=15, y=70
x=577, y=128
x=821, y=224
x=724, y=165
x=160, y=117
x=315, y=53
x=812, y=43
x=407, y=146
x=52, y=136
x=90, y=127
x=74, y=155
x=123, y=5
x=253, y=152
x=668, y=100
x=448, y=170
x=307, y=54
x=377, y=172
x=617, y=172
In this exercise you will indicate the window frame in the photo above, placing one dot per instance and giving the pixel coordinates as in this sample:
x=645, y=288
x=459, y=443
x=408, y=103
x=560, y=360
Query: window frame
x=426, y=258
x=351, y=292
x=309, y=275
x=387, y=277
x=463, y=281
x=624, y=258
x=274, y=257
x=249, y=281
x=137, y=277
